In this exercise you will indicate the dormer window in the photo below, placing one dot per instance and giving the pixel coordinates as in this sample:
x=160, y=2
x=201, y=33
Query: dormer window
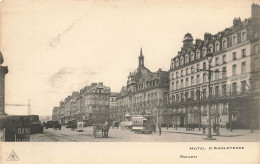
x=197, y=54
x=224, y=43
x=172, y=64
x=204, y=51
x=192, y=56
x=217, y=46
x=243, y=35
x=234, y=39
x=187, y=59
x=182, y=62
x=177, y=63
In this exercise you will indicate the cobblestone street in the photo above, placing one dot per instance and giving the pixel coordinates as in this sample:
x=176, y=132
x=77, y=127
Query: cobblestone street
x=119, y=135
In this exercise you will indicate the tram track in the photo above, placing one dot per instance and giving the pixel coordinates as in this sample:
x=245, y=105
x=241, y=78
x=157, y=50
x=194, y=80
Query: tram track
x=56, y=137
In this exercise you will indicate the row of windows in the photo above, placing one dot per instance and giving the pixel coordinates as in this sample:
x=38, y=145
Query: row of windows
x=234, y=68
x=99, y=90
x=89, y=96
x=191, y=81
x=104, y=102
x=204, y=51
x=216, y=76
x=188, y=71
x=235, y=57
x=150, y=96
x=146, y=84
x=192, y=70
x=203, y=94
x=112, y=99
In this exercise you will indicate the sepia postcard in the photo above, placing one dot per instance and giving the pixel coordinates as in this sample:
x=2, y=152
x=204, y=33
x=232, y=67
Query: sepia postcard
x=113, y=81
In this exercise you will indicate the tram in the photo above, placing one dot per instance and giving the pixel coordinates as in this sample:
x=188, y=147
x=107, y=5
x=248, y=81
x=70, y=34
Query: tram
x=143, y=124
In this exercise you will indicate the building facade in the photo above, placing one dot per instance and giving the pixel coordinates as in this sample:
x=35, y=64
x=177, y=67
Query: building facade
x=90, y=104
x=145, y=91
x=97, y=103
x=228, y=96
x=114, y=113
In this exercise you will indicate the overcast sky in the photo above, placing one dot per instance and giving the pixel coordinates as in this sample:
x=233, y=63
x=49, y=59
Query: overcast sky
x=55, y=47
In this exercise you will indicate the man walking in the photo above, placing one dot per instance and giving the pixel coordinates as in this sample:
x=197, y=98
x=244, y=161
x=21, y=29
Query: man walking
x=204, y=129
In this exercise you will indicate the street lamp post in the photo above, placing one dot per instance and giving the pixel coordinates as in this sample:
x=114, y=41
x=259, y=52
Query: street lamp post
x=230, y=117
x=199, y=94
x=251, y=91
x=252, y=106
x=209, y=57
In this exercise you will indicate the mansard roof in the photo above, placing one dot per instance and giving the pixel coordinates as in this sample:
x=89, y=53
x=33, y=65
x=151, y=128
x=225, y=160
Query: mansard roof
x=211, y=39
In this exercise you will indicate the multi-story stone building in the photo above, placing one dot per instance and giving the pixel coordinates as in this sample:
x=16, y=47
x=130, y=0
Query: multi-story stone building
x=97, y=102
x=55, y=114
x=74, y=105
x=255, y=60
x=61, y=117
x=90, y=104
x=233, y=51
x=58, y=113
x=145, y=91
x=114, y=113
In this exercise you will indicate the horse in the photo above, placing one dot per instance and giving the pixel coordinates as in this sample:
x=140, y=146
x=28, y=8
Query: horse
x=101, y=127
x=105, y=129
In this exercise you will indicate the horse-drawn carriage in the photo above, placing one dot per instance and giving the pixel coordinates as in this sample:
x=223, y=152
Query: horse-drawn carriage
x=101, y=129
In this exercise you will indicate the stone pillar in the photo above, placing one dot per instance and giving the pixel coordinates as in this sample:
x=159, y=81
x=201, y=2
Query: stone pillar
x=3, y=71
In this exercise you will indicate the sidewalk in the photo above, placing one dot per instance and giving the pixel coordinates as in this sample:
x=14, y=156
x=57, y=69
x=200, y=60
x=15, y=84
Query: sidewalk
x=223, y=132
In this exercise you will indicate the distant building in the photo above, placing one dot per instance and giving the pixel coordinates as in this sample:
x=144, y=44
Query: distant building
x=115, y=115
x=96, y=100
x=55, y=114
x=235, y=63
x=74, y=106
x=90, y=104
x=144, y=92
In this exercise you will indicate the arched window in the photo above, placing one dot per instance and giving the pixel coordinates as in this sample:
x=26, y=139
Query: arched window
x=217, y=46
x=204, y=51
x=177, y=63
x=197, y=54
x=187, y=59
x=182, y=62
x=234, y=39
x=192, y=56
x=224, y=43
x=243, y=35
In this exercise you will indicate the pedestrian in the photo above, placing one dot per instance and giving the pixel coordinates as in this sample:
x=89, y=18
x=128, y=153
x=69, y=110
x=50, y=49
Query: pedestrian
x=117, y=125
x=217, y=130
x=167, y=126
x=204, y=129
x=227, y=125
x=160, y=130
x=214, y=128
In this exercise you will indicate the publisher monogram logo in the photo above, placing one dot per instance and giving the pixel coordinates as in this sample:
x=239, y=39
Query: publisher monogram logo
x=13, y=157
